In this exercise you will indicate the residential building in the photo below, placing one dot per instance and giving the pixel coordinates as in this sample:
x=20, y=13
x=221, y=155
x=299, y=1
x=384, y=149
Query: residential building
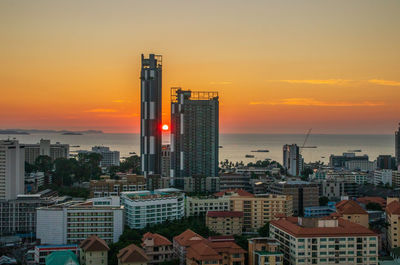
x=360, y=165
x=353, y=212
x=397, y=146
x=260, y=185
x=225, y=223
x=151, y=114
x=339, y=161
x=363, y=201
x=157, y=248
x=72, y=222
x=7, y=260
x=264, y=250
x=320, y=211
x=330, y=240
x=41, y=252
x=292, y=159
x=62, y=258
x=108, y=158
x=230, y=181
x=184, y=240
x=393, y=220
x=304, y=194
x=34, y=181
x=18, y=216
x=383, y=177
x=200, y=184
x=396, y=178
x=194, y=134
x=12, y=169
x=132, y=255
x=45, y=148
x=155, y=182
x=112, y=187
x=93, y=250
x=258, y=210
x=166, y=160
x=386, y=162
x=357, y=177
x=332, y=189
x=144, y=208
x=197, y=206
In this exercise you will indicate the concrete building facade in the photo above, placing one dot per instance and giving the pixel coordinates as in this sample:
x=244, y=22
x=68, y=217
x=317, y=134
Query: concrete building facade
x=45, y=147
x=225, y=223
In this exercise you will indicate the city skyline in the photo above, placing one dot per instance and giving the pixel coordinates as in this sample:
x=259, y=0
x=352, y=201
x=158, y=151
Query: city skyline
x=76, y=66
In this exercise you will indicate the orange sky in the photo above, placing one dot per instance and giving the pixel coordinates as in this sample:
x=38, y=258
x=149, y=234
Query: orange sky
x=279, y=66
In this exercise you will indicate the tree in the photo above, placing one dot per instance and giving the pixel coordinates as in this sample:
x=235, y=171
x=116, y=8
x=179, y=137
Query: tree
x=373, y=206
x=306, y=173
x=43, y=163
x=29, y=168
x=264, y=230
x=88, y=166
x=323, y=201
x=131, y=163
x=64, y=169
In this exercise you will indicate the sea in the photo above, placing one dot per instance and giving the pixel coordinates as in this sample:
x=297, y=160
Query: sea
x=235, y=147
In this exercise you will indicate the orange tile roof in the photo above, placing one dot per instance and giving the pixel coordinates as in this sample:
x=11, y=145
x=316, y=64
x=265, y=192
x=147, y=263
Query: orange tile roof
x=344, y=228
x=240, y=192
x=188, y=238
x=224, y=214
x=226, y=247
x=94, y=243
x=393, y=208
x=366, y=200
x=132, y=253
x=349, y=207
x=202, y=251
x=159, y=240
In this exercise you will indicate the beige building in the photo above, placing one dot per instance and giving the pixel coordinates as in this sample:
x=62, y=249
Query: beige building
x=132, y=255
x=157, y=248
x=94, y=250
x=396, y=178
x=264, y=250
x=393, y=219
x=324, y=241
x=112, y=187
x=353, y=212
x=196, y=206
x=258, y=210
x=225, y=223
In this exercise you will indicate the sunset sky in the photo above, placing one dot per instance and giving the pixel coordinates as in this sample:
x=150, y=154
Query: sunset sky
x=279, y=66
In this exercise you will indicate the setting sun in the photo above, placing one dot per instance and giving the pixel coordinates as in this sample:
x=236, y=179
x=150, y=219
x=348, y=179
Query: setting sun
x=165, y=127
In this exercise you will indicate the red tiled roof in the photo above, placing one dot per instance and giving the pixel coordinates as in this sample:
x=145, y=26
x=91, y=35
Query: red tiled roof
x=227, y=247
x=202, y=251
x=132, y=253
x=366, y=200
x=349, y=207
x=344, y=228
x=94, y=243
x=221, y=238
x=224, y=214
x=188, y=238
x=159, y=240
x=240, y=192
x=393, y=207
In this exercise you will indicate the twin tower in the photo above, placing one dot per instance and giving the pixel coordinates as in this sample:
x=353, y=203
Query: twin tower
x=194, y=127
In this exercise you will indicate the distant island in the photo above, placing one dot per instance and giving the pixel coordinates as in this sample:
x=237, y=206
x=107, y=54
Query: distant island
x=64, y=132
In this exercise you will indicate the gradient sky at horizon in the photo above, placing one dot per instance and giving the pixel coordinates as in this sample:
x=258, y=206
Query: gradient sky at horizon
x=280, y=66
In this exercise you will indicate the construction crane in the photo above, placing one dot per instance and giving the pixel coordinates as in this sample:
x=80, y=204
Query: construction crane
x=305, y=141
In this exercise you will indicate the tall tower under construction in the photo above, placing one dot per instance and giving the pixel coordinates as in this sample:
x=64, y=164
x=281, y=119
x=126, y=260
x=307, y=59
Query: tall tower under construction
x=194, y=134
x=151, y=114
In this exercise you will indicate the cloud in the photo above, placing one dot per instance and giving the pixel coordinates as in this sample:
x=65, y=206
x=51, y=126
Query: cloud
x=101, y=110
x=121, y=101
x=314, y=102
x=221, y=83
x=316, y=81
x=384, y=82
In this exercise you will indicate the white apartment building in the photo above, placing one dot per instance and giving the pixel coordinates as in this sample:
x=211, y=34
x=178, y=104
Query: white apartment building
x=72, y=222
x=196, y=206
x=12, y=169
x=383, y=176
x=44, y=147
x=152, y=207
x=305, y=241
x=110, y=158
x=363, y=165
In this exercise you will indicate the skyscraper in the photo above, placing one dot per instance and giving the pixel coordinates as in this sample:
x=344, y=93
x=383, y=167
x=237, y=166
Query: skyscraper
x=292, y=159
x=151, y=114
x=194, y=134
x=12, y=169
x=397, y=143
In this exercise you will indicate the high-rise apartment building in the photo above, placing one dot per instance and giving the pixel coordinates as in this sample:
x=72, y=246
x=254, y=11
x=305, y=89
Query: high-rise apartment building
x=194, y=134
x=45, y=148
x=109, y=158
x=166, y=160
x=292, y=159
x=12, y=169
x=151, y=114
x=397, y=146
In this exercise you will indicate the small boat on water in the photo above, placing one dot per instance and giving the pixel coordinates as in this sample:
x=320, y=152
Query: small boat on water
x=132, y=153
x=261, y=151
x=249, y=156
x=220, y=146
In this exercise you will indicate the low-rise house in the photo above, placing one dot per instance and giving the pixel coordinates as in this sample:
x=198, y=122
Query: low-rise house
x=225, y=223
x=132, y=255
x=62, y=258
x=157, y=247
x=183, y=241
x=393, y=220
x=264, y=250
x=94, y=250
x=42, y=251
x=353, y=212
